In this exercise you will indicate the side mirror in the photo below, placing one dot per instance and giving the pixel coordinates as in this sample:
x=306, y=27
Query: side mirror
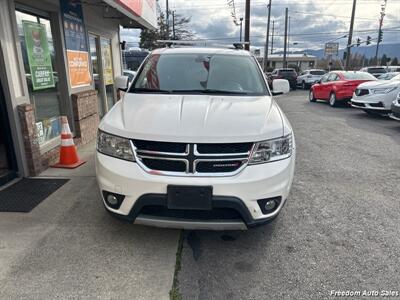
x=121, y=83
x=280, y=86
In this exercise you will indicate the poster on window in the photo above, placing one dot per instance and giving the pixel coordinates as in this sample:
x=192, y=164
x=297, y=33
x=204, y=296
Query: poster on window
x=37, y=48
x=107, y=62
x=76, y=43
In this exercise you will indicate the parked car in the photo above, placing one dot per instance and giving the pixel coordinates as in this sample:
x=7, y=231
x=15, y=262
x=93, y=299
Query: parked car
x=388, y=76
x=307, y=78
x=338, y=86
x=395, y=114
x=377, y=96
x=287, y=73
x=197, y=142
x=393, y=68
x=376, y=71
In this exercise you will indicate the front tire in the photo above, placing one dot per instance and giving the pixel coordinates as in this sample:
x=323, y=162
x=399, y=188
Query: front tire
x=311, y=96
x=333, y=100
x=303, y=85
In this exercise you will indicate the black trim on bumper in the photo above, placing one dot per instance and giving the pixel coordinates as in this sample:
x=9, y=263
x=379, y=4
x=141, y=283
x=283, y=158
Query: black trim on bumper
x=217, y=202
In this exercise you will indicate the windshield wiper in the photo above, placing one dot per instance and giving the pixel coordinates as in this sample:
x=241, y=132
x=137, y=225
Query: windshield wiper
x=210, y=91
x=146, y=90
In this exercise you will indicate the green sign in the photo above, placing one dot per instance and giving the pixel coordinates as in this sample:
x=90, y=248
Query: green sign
x=38, y=52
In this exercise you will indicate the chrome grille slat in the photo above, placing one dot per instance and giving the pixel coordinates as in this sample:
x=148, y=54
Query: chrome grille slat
x=191, y=157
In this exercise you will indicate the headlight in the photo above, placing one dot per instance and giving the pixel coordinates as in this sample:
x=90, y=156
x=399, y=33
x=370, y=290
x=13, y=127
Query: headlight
x=114, y=146
x=271, y=150
x=383, y=91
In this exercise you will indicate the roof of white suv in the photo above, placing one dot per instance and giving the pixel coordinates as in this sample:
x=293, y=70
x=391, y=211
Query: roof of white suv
x=201, y=50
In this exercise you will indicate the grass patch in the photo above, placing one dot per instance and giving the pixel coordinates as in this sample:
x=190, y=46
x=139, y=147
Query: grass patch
x=174, y=292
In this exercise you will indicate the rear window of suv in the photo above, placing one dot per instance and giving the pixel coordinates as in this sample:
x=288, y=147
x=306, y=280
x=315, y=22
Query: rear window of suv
x=287, y=72
x=317, y=72
x=376, y=70
x=206, y=73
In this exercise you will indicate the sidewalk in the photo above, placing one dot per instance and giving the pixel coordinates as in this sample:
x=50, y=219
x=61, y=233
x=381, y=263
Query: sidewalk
x=69, y=247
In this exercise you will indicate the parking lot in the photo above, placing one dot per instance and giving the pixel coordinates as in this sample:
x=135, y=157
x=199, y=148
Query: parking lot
x=339, y=230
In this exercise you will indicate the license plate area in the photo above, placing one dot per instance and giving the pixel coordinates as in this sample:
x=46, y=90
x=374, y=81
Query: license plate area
x=189, y=197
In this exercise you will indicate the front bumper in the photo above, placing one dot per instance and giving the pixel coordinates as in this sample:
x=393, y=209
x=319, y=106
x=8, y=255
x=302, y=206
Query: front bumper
x=376, y=102
x=239, y=192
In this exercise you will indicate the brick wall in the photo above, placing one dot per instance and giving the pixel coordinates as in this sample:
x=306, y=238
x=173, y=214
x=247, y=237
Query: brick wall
x=86, y=117
x=37, y=161
x=86, y=121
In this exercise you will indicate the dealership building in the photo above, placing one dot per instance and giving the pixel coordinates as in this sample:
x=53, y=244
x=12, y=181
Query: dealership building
x=58, y=58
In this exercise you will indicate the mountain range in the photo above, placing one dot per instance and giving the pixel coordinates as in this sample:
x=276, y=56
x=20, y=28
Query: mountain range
x=391, y=50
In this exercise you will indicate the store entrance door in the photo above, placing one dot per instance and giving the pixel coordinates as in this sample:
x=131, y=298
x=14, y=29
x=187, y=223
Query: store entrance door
x=8, y=165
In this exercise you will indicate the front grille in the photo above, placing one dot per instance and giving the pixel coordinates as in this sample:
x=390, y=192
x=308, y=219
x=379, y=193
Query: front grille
x=224, y=148
x=160, y=146
x=358, y=104
x=182, y=159
x=165, y=165
x=361, y=92
x=379, y=104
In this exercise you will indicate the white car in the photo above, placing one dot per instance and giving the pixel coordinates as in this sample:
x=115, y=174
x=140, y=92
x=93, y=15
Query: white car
x=307, y=78
x=376, y=96
x=197, y=142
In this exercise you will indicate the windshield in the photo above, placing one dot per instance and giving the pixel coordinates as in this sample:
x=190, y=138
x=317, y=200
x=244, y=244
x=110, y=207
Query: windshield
x=317, y=72
x=200, y=73
x=358, y=76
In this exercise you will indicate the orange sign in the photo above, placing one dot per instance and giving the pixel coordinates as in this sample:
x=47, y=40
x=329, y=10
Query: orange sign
x=78, y=67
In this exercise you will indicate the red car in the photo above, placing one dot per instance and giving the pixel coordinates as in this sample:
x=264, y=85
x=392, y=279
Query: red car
x=338, y=86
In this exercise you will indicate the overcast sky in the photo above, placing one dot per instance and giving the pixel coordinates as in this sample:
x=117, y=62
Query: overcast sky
x=312, y=23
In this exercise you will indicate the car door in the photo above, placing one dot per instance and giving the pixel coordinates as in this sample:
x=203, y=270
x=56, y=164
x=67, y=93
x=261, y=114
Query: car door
x=319, y=88
x=327, y=86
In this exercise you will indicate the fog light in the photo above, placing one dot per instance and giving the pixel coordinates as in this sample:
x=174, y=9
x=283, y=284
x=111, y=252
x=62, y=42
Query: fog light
x=270, y=205
x=111, y=199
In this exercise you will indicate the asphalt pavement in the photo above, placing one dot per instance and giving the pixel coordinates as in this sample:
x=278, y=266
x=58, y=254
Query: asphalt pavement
x=339, y=230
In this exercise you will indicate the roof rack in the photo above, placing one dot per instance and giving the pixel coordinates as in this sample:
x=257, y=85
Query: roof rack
x=204, y=43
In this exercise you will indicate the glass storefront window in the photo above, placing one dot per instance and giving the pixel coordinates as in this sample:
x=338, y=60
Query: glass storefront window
x=93, y=44
x=108, y=73
x=41, y=73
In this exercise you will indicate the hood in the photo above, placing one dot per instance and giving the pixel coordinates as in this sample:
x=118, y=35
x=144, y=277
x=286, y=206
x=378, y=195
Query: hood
x=379, y=84
x=194, y=118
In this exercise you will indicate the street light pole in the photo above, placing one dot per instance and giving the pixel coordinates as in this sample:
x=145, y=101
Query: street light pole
x=267, y=38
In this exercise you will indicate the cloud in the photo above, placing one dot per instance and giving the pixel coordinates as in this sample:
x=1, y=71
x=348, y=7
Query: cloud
x=311, y=23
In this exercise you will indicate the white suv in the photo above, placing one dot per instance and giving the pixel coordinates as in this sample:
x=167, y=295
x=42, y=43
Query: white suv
x=197, y=142
x=307, y=78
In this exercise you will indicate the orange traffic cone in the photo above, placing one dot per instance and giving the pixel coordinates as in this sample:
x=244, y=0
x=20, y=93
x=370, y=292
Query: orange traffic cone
x=69, y=158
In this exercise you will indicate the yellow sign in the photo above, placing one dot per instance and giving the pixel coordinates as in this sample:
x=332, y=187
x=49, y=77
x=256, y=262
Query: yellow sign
x=107, y=62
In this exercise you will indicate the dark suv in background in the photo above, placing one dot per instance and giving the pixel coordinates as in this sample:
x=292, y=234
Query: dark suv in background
x=284, y=73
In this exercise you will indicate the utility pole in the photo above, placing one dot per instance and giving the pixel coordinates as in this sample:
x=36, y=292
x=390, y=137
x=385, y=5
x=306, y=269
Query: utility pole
x=241, y=21
x=285, y=41
x=383, y=8
x=267, y=38
x=272, y=40
x=288, y=37
x=173, y=25
x=349, y=41
x=167, y=19
x=247, y=26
